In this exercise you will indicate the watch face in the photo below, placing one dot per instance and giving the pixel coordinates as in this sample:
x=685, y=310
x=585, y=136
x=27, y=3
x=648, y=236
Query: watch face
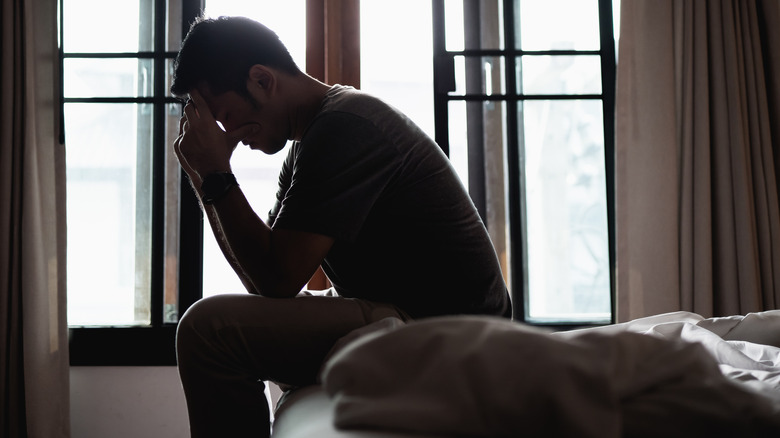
x=213, y=181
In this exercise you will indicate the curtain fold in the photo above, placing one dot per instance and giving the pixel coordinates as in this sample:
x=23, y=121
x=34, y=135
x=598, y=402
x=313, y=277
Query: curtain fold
x=697, y=142
x=34, y=351
x=12, y=415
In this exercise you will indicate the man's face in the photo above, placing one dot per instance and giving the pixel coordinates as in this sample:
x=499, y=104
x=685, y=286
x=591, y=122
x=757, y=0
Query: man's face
x=234, y=111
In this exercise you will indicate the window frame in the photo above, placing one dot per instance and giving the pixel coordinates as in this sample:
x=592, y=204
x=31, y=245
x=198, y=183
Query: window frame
x=334, y=24
x=152, y=344
x=444, y=83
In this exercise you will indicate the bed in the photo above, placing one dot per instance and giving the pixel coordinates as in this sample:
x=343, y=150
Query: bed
x=670, y=375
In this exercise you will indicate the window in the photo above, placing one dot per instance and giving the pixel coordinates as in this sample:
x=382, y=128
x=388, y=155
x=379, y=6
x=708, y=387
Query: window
x=257, y=173
x=122, y=180
x=137, y=241
x=401, y=77
x=109, y=117
x=524, y=103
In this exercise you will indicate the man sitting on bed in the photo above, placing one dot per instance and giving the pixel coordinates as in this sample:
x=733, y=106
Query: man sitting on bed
x=363, y=192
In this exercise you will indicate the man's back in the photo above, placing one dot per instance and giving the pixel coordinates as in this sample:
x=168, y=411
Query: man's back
x=406, y=231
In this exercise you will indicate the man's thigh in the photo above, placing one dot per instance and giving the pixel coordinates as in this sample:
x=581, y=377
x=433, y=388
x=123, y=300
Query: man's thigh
x=283, y=340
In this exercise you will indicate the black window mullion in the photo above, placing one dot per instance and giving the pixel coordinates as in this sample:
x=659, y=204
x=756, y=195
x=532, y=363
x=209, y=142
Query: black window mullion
x=61, y=63
x=516, y=200
x=608, y=81
x=145, y=158
x=190, y=214
x=443, y=78
x=475, y=115
x=149, y=99
x=158, y=165
x=518, y=52
x=520, y=97
x=190, y=247
x=114, y=55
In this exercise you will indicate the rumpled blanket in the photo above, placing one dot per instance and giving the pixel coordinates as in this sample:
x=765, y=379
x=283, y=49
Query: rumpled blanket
x=674, y=375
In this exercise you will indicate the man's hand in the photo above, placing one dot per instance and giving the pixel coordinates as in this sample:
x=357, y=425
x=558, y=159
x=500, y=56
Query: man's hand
x=202, y=146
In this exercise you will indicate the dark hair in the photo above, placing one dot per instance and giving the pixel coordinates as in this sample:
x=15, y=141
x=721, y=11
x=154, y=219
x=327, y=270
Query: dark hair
x=220, y=51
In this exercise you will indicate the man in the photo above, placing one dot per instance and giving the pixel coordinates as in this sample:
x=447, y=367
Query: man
x=364, y=193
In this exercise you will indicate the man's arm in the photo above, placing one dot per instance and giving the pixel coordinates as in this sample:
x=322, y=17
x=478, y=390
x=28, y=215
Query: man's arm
x=211, y=215
x=275, y=263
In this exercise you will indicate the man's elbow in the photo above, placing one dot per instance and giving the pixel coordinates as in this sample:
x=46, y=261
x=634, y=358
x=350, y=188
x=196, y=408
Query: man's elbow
x=278, y=289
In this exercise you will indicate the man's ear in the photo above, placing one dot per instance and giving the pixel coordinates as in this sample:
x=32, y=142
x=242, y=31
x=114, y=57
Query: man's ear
x=261, y=76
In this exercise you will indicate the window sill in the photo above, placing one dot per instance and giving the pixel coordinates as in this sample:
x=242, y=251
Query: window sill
x=123, y=346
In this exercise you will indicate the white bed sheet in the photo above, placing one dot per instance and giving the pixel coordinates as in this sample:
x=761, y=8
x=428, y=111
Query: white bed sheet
x=746, y=348
x=670, y=375
x=308, y=413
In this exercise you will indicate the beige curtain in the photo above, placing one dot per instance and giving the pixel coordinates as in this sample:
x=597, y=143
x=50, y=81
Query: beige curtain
x=34, y=352
x=698, y=222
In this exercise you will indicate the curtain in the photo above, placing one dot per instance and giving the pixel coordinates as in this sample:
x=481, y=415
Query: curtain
x=33, y=326
x=698, y=221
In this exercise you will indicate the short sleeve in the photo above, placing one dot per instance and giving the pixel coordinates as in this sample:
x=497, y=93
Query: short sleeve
x=341, y=167
x=283, y=184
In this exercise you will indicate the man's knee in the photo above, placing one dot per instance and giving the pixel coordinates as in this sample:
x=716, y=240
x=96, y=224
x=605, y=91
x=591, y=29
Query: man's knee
x=199, y=323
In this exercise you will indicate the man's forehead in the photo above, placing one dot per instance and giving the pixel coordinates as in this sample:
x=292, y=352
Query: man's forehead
x=206, y=95
x=204, y=91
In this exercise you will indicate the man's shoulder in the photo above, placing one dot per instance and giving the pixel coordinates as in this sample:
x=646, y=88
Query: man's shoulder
x=347, y=99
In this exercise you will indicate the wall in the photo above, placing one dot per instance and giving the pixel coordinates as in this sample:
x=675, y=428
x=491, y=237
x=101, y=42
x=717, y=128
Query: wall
x=129, y=402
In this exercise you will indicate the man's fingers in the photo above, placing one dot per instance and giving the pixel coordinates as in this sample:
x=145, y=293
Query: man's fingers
x=177, y=142
x=201, y=107
x=190, y=112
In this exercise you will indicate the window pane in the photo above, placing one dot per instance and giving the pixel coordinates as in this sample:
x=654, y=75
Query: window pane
x=561, y=74
x=399, y=70
x=558, y=24
x=458, y=133
x=108, y=77
x=473, y=24
x=172, y=216
x=85, y=31
x=568, y=260
x=169, y=77
x=109, y=213
x=174, y=25
x=477, y=137
x=287, y=18
x=256, y=172
x=479, y=75
x=453, y=16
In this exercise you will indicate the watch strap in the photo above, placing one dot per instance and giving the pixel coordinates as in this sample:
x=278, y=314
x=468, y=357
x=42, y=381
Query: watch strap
x=216, y=185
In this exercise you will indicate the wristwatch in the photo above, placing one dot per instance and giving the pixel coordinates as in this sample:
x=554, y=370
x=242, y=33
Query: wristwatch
x=216, y=185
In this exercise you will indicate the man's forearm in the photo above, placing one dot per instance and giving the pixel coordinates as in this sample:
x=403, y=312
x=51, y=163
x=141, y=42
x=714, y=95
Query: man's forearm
x=245, y=240
x=222, y=239
x=219, y=235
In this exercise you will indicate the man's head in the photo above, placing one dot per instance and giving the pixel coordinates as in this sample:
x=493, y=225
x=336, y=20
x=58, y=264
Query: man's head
x=219, y=53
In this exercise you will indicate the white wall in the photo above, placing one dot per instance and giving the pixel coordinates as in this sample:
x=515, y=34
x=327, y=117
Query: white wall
x=127, y=402
x=130, y=402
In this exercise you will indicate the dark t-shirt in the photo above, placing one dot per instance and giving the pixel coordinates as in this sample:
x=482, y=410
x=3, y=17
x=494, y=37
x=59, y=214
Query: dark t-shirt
x=406, y=232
